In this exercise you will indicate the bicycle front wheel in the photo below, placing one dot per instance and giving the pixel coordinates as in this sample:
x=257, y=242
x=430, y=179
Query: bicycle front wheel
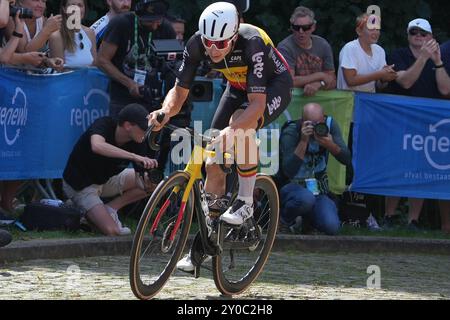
x=160, y=236
x=246, y=250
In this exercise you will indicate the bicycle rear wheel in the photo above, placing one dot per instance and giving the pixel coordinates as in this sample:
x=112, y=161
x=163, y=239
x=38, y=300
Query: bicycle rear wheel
x=156, y=248
x=246, y=250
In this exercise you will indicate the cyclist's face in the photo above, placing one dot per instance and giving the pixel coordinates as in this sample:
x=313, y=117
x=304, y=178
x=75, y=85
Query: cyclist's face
x=215, y=53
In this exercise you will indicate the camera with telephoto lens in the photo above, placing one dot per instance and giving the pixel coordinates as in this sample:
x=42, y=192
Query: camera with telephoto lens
x=321, y=129
x=25, y=13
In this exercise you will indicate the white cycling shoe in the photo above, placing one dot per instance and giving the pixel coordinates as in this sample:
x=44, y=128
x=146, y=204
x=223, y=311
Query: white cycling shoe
x=186, y=264
x=238, y=213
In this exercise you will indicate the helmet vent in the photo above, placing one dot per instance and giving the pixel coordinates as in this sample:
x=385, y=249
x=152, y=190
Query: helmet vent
x=223, y=29
x=213, y=28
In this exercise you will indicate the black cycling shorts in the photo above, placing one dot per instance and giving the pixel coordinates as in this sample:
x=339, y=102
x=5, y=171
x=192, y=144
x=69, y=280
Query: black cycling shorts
x=279, y=95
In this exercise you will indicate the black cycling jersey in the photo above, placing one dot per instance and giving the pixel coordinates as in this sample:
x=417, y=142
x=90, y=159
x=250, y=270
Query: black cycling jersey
x=252, y=64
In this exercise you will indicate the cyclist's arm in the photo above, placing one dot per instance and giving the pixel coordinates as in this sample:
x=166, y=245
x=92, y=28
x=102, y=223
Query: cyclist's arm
x=174, y=100
x=186, y=73
x=251, y=115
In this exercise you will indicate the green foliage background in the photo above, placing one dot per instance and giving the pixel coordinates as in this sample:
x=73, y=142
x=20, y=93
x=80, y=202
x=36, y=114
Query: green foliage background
x=335, y=18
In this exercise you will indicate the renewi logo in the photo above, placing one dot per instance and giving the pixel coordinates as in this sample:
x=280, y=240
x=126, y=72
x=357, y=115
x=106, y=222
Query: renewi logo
x=14, y=118
x=438, y=142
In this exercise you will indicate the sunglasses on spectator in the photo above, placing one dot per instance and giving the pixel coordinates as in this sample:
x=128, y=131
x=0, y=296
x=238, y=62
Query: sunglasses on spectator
x=305, y=27
x=219, y=44
x=415, y=32
x=80, y=36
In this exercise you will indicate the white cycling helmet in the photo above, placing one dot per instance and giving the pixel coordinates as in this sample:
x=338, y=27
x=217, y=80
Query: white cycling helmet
x=219, y=21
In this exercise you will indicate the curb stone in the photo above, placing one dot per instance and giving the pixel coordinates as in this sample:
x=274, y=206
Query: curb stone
x=91, y=247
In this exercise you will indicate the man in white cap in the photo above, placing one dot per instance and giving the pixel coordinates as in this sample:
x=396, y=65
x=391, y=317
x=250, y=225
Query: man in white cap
x=421, y=73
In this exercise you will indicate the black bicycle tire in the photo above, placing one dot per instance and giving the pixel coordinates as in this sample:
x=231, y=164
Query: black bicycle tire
x=140, y=290
x=228, y=288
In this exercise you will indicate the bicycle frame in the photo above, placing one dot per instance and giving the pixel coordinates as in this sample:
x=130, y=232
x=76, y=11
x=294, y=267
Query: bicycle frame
x=194, y=170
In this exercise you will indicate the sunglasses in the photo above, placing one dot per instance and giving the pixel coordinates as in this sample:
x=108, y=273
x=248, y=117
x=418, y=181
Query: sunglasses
x=80, y=36
x=415, y=32
x=305, y=28
x=220, y=44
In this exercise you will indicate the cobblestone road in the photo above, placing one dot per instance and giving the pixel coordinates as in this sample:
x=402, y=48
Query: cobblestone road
x=288, y=275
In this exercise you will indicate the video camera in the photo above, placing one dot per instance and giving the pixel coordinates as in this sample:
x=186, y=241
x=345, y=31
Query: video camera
x=25, y=13
x=164, y=56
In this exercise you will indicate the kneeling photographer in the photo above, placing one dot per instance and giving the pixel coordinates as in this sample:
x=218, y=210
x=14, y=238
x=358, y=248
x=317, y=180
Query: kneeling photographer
x=98, y=167
x=305, y=146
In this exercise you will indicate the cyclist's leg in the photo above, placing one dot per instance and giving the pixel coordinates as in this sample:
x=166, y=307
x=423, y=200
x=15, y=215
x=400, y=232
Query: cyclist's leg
x=231, y=100
x=279, y=96
x=246, y=158
x=215, y=177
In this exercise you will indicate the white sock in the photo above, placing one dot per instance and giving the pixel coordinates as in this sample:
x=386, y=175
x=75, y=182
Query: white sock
x=247, y=179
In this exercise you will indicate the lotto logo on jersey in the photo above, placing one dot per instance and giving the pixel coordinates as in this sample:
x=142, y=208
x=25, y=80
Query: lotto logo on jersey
x=274, y=105
x=259, y=65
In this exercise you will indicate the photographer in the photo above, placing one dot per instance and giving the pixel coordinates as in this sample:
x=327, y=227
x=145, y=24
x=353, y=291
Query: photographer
x=4, y=12
x=125, y=55
x=97, y=167
x=38, y=29
x=304, y=150
x=7, y=53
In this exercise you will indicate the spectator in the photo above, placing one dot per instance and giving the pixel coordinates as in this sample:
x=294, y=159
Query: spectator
x=8, y=56
x=445, y=52
x=309, y=56
x=37, y=30
x=304, y=153
x=445, y=205
x=76, y=47
x=7, y=53
x=4, y=12
x=178, y=26
x=115, y=7
x=362, y=63
x=421, y=73
x=121, y=45
x=96, y=168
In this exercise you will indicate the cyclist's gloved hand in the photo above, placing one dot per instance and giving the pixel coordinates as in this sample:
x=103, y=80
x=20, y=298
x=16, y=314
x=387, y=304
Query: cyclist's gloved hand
x=153, y=120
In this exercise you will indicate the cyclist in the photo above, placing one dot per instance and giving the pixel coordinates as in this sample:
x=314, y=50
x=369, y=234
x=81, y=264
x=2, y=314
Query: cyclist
x=258, y=91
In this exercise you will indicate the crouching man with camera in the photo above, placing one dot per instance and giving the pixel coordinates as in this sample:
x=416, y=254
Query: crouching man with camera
x=98, y=167
x=305, y=148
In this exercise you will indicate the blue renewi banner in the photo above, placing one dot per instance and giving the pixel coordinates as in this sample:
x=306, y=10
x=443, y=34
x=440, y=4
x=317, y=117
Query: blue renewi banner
x=42, y=116
x=401, y=146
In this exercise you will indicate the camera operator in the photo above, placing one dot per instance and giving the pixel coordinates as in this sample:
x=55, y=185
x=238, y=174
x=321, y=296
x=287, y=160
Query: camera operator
x=98, y=167
x=124, y=54
x=305, y=146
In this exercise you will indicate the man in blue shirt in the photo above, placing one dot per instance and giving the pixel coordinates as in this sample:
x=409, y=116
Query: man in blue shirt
x=445, y=54
x=445, y=205
x=421, y=73
x=116, y=7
